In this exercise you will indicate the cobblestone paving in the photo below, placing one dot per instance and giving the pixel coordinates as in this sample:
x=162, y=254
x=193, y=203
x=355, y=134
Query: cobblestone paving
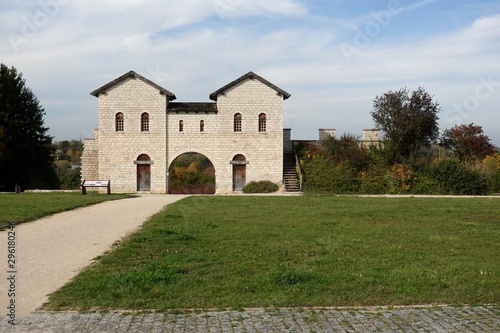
x=423, y=319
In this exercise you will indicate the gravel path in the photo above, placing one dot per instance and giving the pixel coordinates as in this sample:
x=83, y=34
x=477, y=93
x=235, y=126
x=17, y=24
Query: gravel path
x=52, y=250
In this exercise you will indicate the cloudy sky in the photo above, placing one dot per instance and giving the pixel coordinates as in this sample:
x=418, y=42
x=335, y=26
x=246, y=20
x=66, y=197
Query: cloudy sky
x=333, y=56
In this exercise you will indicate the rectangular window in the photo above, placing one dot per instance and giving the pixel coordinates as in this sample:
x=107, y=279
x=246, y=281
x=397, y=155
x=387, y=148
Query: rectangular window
x=237, y=125
x=119, y=126
x=262, y=125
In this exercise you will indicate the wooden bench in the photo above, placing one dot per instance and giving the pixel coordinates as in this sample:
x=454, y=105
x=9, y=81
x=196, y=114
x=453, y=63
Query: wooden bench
x=96, y=183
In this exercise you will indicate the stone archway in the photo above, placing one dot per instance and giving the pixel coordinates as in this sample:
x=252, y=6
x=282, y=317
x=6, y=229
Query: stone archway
x=191, y=173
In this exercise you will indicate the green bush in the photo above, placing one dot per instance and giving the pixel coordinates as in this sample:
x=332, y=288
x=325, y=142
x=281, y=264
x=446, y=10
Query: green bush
x=263, y=186
x=374, y=184
x=454, y=177
x=317, y=173
x=425, y=185
x=71, y=180
x=494, y=183
x=321, y=174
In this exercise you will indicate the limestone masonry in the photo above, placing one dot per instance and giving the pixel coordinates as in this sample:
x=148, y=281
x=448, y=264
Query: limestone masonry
x=141, y=131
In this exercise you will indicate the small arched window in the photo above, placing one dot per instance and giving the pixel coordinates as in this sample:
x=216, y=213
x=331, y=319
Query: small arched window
x=119, y=127
x=181, y=125
x=145, y=122
x=237, y=122
x=202, y=125
x=262, y=122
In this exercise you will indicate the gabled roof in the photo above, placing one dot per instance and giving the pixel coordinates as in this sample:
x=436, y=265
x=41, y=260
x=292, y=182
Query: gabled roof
x=134, y=75
x=192, y=107
x=251, y=76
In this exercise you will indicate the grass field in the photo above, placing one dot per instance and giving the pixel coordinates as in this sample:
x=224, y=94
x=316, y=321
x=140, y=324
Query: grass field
x=24, y=207
x=239, y=252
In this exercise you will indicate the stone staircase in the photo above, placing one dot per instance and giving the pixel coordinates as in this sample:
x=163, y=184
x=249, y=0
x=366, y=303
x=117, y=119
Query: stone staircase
x=290, y=174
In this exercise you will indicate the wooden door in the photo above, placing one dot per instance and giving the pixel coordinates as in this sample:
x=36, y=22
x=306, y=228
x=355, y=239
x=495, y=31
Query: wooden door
x=239, y=172
x=143, y=173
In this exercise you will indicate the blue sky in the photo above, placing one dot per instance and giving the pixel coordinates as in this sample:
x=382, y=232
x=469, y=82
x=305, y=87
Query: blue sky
x=334, y=57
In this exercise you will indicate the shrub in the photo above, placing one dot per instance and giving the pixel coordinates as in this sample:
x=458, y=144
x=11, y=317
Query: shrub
x=491, y=168
x=494, y=183
x=404, y=175
x=318, y=173
x=263, y=186
x=422, y=184
x=454, y=177
x=373, y=184
x=347, y=148
x=377, y=179
x=71, y=180
x=321, y=174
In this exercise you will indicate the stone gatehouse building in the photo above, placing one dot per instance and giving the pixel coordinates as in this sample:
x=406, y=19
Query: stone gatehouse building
x=142, y=131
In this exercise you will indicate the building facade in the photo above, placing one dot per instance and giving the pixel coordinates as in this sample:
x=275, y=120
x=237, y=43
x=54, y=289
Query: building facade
x=142, y=131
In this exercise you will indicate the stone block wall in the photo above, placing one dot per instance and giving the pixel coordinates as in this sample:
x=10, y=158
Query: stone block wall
x=90, y=158
x=119, y=150
x=371, y=137
x=325, y=133
x=113, y=154
x=219, y=142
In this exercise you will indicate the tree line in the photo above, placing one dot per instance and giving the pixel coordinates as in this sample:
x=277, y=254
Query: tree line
x=414, y=157
x=67, y=161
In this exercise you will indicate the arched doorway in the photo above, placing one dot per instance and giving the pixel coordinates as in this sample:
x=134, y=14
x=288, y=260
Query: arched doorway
x=239, y=163
x=143, y=172
x=191, y=173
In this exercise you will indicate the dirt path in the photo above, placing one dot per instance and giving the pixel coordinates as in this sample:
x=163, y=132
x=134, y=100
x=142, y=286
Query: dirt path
x=52, y=250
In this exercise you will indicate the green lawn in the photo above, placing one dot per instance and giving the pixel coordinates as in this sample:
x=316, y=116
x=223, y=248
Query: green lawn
x=233, y=252
x=24, y=207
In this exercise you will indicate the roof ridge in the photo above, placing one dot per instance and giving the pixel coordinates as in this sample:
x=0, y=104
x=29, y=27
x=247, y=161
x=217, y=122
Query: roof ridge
x=135, y=75
x=250, y=75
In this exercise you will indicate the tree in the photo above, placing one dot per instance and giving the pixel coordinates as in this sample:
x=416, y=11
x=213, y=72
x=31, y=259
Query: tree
x=408, y=120
x=2, y=145
x=75, y=151
x=26, y=158
x=468, y=142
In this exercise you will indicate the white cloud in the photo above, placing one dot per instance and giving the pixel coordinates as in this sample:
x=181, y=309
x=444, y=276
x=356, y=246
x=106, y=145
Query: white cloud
x=241, y=8
x=190, y=49
x=414, y=6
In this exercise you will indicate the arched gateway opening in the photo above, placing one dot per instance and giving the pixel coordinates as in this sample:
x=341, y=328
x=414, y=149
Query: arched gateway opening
x=191, y=173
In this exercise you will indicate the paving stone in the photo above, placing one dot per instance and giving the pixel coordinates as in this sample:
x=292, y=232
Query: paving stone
x=437, y=319
x=159, y=324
